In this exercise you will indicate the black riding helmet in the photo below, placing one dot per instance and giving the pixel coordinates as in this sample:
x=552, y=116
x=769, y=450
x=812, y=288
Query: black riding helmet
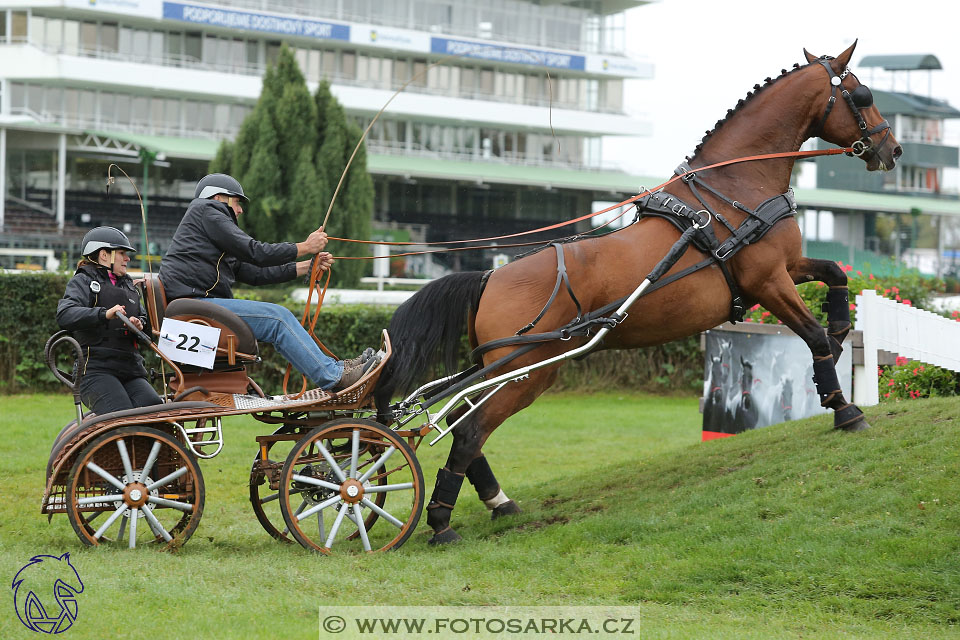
x=104, y=238
x=215, y=183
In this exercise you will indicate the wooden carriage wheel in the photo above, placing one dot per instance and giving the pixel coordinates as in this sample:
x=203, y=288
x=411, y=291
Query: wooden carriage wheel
x=264, y=498
x=144, y=484
x=334, y=477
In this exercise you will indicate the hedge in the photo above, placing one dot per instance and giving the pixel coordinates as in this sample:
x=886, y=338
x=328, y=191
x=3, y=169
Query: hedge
x=27, y=319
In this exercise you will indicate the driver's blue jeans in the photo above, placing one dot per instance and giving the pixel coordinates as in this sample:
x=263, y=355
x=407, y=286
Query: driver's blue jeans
x=278, y=326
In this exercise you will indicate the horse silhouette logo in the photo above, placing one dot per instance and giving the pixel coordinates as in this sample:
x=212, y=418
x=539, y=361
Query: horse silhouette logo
x=41, y=582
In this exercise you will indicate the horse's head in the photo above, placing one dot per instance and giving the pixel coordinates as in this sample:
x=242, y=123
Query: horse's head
x=849, y=117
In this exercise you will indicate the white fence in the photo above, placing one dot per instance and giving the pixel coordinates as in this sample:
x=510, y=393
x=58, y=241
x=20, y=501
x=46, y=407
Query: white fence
x=906, y=331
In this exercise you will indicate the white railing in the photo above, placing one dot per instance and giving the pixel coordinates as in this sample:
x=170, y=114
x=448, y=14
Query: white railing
x=904, y=330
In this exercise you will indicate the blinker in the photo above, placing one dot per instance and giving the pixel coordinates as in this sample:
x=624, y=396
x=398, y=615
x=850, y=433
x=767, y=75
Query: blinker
x=862, y=97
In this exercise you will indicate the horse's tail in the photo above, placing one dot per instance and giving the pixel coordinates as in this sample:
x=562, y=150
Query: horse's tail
x=426, y=333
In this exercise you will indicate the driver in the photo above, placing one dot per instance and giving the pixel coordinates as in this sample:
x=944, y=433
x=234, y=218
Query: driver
x=112, y=376
x=209, y=252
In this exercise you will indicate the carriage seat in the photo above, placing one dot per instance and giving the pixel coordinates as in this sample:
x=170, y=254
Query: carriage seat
x=236, y=339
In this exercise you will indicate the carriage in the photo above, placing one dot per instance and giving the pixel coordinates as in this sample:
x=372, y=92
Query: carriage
x=353, y=452
x=134, y=477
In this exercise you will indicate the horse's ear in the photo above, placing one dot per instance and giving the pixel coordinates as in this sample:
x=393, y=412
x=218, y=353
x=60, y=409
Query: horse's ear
x=843, y=60
x=809, y=56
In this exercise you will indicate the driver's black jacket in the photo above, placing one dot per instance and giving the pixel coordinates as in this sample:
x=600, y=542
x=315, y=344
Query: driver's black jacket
x=108, y=346
x=209, y=252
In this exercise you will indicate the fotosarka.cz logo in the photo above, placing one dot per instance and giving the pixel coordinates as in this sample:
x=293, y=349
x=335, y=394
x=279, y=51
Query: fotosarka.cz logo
x=45, y=593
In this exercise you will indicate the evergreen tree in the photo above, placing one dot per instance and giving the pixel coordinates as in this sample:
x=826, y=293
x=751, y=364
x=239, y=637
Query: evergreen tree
x=289, y=155
x=353, y=210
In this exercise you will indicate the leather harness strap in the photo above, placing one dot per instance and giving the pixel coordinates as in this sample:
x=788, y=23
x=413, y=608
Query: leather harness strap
x=561, y=278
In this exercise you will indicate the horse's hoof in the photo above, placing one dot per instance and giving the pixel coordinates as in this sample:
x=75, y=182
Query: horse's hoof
x=508, y=508
x=860, y=424
x=849, y=418
x=446, y=536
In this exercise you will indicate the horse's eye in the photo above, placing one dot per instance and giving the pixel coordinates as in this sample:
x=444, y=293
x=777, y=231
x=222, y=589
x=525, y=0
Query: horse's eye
x=862, y=97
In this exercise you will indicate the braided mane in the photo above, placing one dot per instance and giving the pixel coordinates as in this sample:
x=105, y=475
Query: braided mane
x=741, y=103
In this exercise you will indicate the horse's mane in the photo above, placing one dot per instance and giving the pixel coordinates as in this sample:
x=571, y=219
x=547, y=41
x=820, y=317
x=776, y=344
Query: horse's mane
x=757, y=88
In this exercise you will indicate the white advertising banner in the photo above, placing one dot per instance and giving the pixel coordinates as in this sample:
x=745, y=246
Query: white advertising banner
x=145, y=8
x=189, y=343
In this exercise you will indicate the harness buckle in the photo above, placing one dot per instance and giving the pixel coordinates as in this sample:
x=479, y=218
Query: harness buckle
x=723, y=251
x=702, y=223
x=688, y=176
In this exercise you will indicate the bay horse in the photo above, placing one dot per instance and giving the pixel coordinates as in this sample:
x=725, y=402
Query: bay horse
x=821, y=98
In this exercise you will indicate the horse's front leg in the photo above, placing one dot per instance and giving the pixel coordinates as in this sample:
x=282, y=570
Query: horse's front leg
x=779, y=295
x=838, y=299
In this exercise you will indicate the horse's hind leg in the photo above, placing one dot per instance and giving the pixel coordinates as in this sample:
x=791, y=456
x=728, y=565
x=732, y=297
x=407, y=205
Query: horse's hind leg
x=468, y=439
x=484, y=482
x=780, y=296
x=838, y=300
x=488, y=489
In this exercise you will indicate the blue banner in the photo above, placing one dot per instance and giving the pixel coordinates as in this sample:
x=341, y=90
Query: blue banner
x=500, y=53
x=251, y=21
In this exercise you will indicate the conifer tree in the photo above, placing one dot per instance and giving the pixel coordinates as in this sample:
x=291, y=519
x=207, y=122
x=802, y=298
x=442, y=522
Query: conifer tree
x=289, y=155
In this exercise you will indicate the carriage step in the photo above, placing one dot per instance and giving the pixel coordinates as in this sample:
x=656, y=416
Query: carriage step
x=196, y=445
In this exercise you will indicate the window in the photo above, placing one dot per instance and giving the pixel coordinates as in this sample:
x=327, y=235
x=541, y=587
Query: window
x=35, y=98
x=175, y=45
x=107, y=102
x=192, y=47
x=348, y=64
x=88, y=105
x=18, y=26
x=156, y=47
x=172, y=114
x=253, y=53
x=71, y=37
x=273, y=52
x=54, y=34
x=122, y=109
x=125, y=42
x=109, y=33
x=38, y=32
x=88, y=37
x=18, y=95
x=141, y=44
x=204, y=120
x=140, y=110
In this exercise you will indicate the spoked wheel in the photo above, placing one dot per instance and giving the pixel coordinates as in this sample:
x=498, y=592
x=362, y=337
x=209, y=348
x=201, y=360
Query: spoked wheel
x=337, y=473
x=264, y=482
x=136, y=485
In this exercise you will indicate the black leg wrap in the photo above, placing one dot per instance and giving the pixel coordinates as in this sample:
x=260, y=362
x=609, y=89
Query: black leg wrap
x=441, y=506
x=447, y=488
x=838, y=305
x=849, y=418
x=481, y=477
x=825, y=377
x=838, y=318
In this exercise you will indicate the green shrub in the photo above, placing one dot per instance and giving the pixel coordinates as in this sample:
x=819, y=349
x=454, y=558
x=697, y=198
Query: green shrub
x=909, y=379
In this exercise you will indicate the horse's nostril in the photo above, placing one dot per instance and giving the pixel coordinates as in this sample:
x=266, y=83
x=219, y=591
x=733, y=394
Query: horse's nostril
x=897, y=152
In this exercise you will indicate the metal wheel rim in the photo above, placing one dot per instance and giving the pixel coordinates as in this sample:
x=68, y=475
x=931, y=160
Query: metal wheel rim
x=135, y=507
x=324, y=521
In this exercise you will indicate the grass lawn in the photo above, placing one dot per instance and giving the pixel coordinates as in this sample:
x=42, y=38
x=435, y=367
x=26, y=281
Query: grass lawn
x=789, y=531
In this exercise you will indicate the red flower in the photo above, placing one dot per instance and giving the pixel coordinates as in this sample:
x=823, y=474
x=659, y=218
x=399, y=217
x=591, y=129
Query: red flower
x=908, y=303
x=848, y=268
x=890, y=384
x=901, y=361
x=886, y=395
x=871, y=276
x=914, y=371
x=853, y=307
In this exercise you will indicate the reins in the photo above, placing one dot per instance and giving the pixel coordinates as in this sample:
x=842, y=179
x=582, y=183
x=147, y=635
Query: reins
x=644, y=192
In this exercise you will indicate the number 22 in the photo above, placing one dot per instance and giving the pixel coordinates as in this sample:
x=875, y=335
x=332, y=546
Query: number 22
x=183, y=340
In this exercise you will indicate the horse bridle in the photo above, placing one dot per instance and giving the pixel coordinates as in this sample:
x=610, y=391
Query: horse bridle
x=859, y=98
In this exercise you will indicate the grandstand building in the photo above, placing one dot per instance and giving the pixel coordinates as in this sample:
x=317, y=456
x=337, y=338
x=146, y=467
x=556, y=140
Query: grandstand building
x=504, y=136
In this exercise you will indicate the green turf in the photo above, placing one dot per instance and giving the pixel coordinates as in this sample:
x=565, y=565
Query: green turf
x=789, y=531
